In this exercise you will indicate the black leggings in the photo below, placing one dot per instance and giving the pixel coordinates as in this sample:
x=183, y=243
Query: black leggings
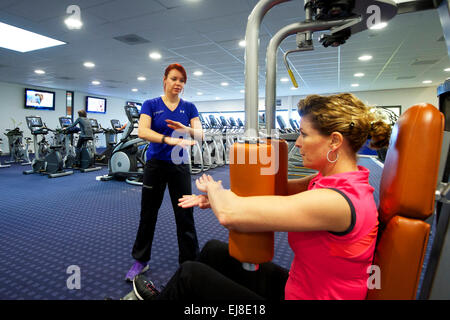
x=218, y=276
x=158, y=174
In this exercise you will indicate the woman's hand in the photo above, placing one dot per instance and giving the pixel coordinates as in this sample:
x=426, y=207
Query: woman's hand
x=177, y=126
x=206, y=181
x=189, y=201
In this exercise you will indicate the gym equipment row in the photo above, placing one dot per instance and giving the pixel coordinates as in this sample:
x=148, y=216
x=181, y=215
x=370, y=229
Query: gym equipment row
x=55, y=158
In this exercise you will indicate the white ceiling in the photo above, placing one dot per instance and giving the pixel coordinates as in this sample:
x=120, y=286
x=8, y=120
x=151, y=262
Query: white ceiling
x=204, y=35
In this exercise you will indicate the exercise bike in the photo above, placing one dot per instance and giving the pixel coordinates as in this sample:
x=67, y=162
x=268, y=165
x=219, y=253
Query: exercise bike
x=69, y=154
x=47, y=160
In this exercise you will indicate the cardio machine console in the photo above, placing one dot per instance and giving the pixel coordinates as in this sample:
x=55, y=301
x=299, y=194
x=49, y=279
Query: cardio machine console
x=35, y=125
x=116, y=124
x=65, y=122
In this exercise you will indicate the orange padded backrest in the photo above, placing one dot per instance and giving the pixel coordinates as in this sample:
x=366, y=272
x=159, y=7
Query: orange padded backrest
x=256, y=170
x=407, y=189
x=411, y=167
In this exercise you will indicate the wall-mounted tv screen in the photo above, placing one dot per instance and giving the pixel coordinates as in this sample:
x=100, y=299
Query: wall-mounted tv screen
x=95, y=105
x=136, y=104
x=39, y=99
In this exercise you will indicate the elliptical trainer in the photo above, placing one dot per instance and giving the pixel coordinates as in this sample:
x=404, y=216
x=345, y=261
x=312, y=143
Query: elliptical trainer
x=128, y=156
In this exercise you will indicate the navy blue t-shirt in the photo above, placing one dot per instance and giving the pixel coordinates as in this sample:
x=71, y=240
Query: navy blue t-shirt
x=158, y=111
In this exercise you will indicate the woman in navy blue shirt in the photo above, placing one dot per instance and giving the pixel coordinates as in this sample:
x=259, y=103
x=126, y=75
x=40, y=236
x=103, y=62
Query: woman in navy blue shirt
x=169, y=123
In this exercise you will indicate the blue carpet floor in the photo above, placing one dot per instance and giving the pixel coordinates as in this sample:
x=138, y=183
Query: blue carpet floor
x=47, y=225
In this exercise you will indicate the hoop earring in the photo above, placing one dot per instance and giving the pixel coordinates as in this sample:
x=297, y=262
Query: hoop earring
x=328, y=157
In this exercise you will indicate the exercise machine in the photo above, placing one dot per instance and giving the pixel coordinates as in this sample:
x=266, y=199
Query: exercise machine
x=47, y=160
x=342, y=19
x=1, y=152
x=17, y=151
x=128, y=155
x=67, y=140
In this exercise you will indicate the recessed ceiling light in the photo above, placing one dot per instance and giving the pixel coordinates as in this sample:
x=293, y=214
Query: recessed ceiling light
x=39, y=71
x=21, y=40
x=365, y=58
x=359, y=74
x=141, y=78
x=199, y=93
x=427, y=81
x=89, y=64
x=198, y=73
x=294, y=88
x=134, y=90
x=447, y=69
x=217, y=98
x=284, y=79
x=355, y=85
x=379, y=26
x=155, y=55
x=224, y=84
x=73, y=23
x=95, y=82
x=242, y=91
x=242, y=43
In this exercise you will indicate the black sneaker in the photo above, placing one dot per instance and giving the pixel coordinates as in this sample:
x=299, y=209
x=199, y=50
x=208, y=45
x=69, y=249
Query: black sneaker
x=144, y=289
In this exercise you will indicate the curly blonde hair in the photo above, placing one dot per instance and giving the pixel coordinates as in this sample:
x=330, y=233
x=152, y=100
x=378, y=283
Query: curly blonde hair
x=346, y=114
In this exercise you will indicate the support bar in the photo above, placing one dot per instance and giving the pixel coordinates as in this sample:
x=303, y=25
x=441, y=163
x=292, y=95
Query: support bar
x=251, y=66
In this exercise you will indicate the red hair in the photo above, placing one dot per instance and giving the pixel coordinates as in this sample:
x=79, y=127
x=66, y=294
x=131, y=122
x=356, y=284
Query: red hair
x=178, y=67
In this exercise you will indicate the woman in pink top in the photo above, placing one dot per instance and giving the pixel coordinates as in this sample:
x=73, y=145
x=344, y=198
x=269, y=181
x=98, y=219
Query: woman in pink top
x=330, y=217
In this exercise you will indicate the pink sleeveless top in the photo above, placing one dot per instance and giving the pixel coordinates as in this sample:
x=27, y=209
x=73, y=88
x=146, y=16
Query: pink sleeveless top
x=328, y=265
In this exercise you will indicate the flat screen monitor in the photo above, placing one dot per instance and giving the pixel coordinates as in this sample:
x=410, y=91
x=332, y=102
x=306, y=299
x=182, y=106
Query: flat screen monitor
x=134, y=113
x=95, y=105
x=94, y=123
x=39, y=99
x=65, y=122
x=116, y=124
x=135, y=104
x=34, y=122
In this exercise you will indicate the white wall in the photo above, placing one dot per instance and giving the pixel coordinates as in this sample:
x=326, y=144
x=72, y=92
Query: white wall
x=12, y=102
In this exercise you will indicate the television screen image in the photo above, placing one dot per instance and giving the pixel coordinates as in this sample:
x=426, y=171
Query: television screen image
x=39, y=99
x=95, y=105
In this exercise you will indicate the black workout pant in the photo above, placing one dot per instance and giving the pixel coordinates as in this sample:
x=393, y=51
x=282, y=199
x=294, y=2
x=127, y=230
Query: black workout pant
x=218, y=276
x=157, y=175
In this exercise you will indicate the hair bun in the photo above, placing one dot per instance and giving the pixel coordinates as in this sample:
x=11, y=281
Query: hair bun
x=379, y=134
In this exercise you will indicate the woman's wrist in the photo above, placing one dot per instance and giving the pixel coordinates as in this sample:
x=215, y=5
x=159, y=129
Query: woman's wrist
x=172, y=141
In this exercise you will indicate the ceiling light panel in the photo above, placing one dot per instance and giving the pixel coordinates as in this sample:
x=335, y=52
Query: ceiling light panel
x=22, y=40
